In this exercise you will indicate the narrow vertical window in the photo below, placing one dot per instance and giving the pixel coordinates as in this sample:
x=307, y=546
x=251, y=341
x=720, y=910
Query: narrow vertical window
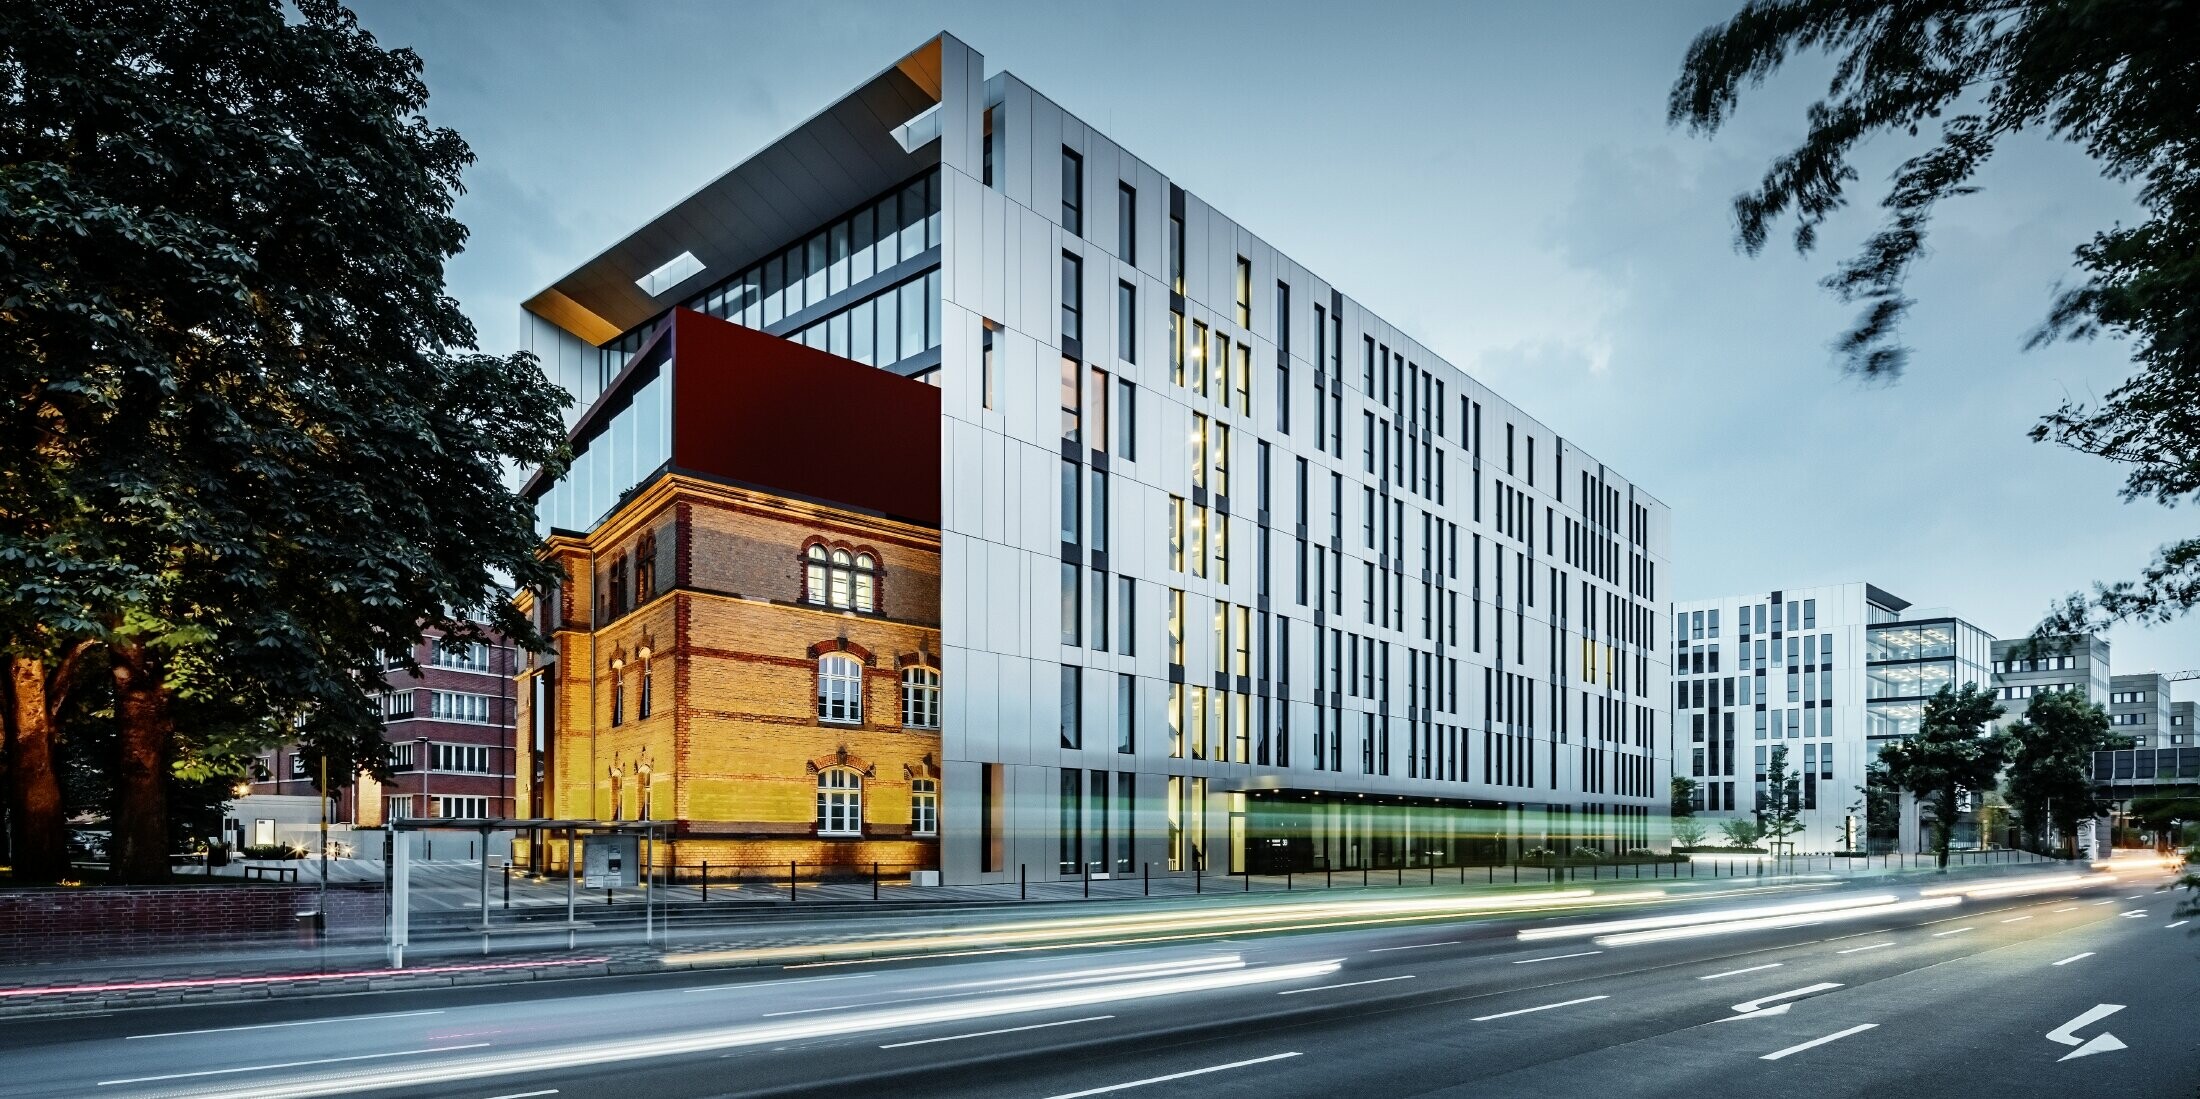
x=1072, y=605
x=986, y=170
x=1245, y=293
x=1073, y=297
x=1125, y=715
x=1126, y=322
x=1073, y=710
x=1176, y=253
x=1072, y=385
x=1073, y=192
x=1126, y=419
x=1126, y=223
x=985, y=365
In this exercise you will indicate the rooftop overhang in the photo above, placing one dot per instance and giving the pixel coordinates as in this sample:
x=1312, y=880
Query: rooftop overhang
x=841, y=156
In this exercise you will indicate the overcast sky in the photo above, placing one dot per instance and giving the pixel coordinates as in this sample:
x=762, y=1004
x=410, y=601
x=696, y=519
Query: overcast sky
x=1496, y=178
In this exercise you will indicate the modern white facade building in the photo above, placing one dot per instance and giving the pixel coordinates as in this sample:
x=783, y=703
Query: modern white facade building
x=1831, y=673
x=1235, y=573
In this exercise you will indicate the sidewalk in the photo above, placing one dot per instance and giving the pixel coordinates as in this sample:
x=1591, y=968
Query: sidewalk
x=828, y=926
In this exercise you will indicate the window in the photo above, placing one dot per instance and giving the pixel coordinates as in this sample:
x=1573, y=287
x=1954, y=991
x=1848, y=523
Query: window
x=1072, y=606
x=1126, y=322
x=1244, y=293
x=1176, y=253
x=297, y=766
x=924, y=806
x=472, y=759
x=920, y=697
x=458, y=706
x=840, y=578
x=839, y=802
x=1126, y=421
x=1073, y=297
x=397, y=807
x=462, y=808
x=1126, y=223
x=1126, y=739
x=839, y=689
x=472, y=657
x=1073, y=710
x=1072, y=505
x=985, y=364
x=1073, y=191
x=397, y=706
x=986, y=171
x=1072, y=403
x=642, y=701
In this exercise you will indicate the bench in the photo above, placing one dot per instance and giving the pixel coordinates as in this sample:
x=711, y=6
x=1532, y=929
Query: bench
x=279, y=873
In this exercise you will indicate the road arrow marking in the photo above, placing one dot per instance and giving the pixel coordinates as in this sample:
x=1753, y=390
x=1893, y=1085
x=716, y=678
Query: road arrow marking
x=2104, y=1042
x=1755, y=1009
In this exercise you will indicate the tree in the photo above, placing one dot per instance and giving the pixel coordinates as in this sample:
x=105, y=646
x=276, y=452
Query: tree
x=254, y=444
x=2168, y=812
x=1955, y=749
x=2113, y=79
x=1686, y=793
x=1780, y=815
x=2050, y=779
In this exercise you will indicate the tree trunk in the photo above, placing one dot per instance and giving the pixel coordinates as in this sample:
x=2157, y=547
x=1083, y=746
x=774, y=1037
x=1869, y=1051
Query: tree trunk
x=41, y=843
x=1944, y=828
x=140, y=844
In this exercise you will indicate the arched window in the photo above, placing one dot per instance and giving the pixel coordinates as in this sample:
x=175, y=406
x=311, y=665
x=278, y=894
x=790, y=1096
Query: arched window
x=618, y=693
x=920, y=697
x=839, y=688
x=839, y=802
x=641, y=701
x=840, y=578
x=924, y=806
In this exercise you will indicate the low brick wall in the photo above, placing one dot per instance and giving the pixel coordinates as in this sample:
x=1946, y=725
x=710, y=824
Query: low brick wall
x=47, y=924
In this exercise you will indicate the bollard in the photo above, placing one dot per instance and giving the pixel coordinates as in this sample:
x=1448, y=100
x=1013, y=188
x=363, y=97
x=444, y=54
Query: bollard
x=1145, y=874
x=1198, y=870
x=1432, y=873
x=874, y=881
x=706, y=880
x=507, y=885
x=790, y=883
x=1023, y=883
x=607, y=895
x=1086, y=869
x=1287, y=879
x=1401, y=873
x=1248, y=880
x=1329, y=874
x=1491, y=876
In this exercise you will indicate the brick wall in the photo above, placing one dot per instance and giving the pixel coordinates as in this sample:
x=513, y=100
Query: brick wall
x=51, y=924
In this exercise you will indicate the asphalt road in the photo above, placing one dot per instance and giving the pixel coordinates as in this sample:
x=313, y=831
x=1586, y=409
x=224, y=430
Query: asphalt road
x=2076, y=992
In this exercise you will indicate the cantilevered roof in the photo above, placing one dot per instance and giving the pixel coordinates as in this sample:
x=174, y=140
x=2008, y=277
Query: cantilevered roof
x=843, y=155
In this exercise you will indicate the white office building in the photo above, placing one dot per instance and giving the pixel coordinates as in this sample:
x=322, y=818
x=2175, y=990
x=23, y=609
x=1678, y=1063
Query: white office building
x=1831, y=673
x=1236, y=574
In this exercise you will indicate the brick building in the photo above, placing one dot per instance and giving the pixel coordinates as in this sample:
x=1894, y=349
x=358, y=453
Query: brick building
x=748, y=645
x=452, y=751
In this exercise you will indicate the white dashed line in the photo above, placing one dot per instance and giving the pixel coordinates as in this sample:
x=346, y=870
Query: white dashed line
x=1739, y=972
x=1541, y=1007
x=1415, y=946
x=1347, y=984
x=1861, y=949
x=2016, y=919
x=1952, y=931
x=990, y=1033
x=1833, y=1037
x=1171, y=1076
x=1556, y=957
x=2075, y=957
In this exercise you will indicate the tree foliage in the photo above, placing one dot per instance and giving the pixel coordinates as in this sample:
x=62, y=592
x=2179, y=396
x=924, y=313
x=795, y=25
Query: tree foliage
x=2050, y=781
x=1686, y=792
x=1955, y=749
x=1781, y=813
x=2116, y=79
x=249, y=445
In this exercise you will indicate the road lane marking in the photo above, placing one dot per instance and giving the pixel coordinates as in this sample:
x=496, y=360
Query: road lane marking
x=1861, y=949
x=1347, y=984
x=2067, y=908
x=990, y=1033
x=1415, y=946
x=1172, y=1076
x=2104, y=1042
x=1952, y=931
x=291, y=1064
x=2136, y=897
x=1739, y=972
x=2111, y=900
x=1543, y=1007
x=774, y=984
x=526, y=1094
x=1556, y=957
x=272, y=1026
x=2174, y=926
x=1751, y=1009
x=2134, y=914
x=2016, y=919
x=1833, y=1037
x=2075, y=957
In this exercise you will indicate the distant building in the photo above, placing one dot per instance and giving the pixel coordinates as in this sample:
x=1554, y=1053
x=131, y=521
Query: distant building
x=2024, y=668
x=451, y=745
x=1833, y=673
